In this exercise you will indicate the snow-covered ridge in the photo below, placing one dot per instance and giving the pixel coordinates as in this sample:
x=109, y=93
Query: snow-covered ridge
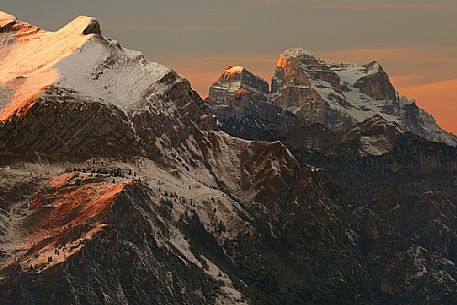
x=75, y=57
x=351, y=73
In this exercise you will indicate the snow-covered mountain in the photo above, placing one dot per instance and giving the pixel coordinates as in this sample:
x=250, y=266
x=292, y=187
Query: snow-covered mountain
x=97, y=136
x=75, y=57
x=113, y=96
x=337, y=96
x=117, y=186
x=236, y=80
x=341, y=95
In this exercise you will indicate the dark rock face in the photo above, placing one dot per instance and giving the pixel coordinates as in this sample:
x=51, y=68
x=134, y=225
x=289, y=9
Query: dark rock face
x=249, y=118
x=411, y=163
x=93, y=28
x=68, y=127
x=377, y=85
x=236, y=80
x=420, y=123
x=373, y=137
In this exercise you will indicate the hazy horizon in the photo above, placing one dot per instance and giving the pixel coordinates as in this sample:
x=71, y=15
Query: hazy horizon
x=411, y=39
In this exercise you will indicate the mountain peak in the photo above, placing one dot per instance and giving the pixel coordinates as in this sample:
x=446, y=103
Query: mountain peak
x=84, y=25
x=236, y=81
x=341, y=95
x=6, y=19
x=80, y=25
x=75, y=57
x=293, y=54
x=29, y=62
x=234, y=69
x=374, y=67
x=296, y=52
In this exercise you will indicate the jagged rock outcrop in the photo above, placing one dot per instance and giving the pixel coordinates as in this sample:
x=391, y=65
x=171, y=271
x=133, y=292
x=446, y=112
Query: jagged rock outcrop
x=295, y=72
x=340, y=95
x=295, y=86
x=376, y=85
x=93, y=28
x=236, y=81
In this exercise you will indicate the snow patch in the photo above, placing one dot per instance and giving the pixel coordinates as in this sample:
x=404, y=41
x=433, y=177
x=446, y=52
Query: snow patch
x=374, y=145
x=234, y=69
x=295, y=52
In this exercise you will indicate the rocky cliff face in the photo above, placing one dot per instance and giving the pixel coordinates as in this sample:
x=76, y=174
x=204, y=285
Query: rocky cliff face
x=235, y=81
x=339, y=96
x=297, y=69
x=118, y=187
x=295, y=86
x=377, y=84
x=249, y=118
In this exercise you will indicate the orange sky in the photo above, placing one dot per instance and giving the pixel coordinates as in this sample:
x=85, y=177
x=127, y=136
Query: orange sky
x=438, y=99
x=427, y=75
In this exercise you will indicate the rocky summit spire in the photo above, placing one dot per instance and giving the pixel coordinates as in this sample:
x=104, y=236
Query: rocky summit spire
x=295, y=73
x=235, y=81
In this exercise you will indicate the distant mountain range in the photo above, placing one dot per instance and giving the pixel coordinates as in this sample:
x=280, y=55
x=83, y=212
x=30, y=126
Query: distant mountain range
x=337, y=96
x=120, y=185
